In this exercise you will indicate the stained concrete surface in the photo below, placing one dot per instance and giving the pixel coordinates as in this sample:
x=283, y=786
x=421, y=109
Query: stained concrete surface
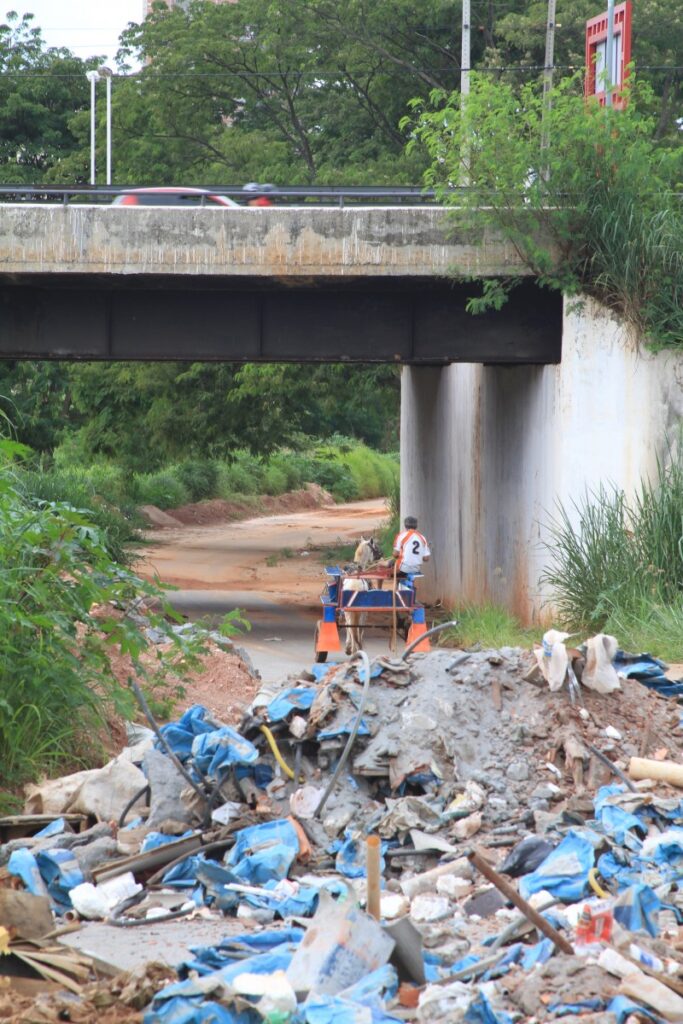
x=126, y=948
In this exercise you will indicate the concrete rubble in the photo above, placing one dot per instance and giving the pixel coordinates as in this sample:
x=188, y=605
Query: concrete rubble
x=523, y=874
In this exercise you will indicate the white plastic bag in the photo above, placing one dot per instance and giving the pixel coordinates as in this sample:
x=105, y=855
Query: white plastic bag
x=552, y=658
x=600, y=674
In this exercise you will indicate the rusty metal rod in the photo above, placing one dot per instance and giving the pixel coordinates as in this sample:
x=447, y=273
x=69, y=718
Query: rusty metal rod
x=510, y=893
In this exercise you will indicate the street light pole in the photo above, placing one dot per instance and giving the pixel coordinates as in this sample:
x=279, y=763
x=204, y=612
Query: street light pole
x=93, y=77
x=106, y=73
x=609, y=56
x=465, y=59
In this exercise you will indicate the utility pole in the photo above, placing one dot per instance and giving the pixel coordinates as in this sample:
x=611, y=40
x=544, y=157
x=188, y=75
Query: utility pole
x=465, y=53
x=548, y=70
x=465, y=58
x=609, y=56
x=93, y=77
x=106, y=73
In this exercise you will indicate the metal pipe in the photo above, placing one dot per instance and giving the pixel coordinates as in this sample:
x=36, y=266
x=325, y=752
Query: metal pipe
x=352, y=735
x=430, y=632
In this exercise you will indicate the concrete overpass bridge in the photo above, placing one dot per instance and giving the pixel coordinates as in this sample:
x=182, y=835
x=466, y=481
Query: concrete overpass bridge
x=370, y=284
x=502, y=415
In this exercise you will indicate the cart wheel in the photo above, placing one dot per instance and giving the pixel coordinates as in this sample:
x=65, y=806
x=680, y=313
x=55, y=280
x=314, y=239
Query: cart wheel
x=320, y=656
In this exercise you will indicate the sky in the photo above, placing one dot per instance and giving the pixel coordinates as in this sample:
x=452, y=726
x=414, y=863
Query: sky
x=86, y=27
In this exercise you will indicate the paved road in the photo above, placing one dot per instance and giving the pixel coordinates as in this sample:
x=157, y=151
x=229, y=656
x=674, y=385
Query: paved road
x=241, y=565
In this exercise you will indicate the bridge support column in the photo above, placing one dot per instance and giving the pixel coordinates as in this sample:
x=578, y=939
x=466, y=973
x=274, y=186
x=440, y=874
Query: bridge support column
x=488, y=451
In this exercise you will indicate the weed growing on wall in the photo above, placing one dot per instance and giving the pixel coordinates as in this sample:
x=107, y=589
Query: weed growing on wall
x=596, y=211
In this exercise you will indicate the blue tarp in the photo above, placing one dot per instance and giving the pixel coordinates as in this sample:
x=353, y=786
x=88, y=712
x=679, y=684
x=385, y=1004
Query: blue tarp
x=297, y=698
x=214, y=752
x=181, y=734
x=564, y=872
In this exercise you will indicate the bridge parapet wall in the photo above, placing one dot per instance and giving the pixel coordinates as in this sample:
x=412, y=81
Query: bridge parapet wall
x=290, y=242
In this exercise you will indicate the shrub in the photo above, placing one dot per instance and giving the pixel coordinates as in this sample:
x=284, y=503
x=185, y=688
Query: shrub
x=162, y=489
x=55, y=569
x=274, y=480
x=611, y=557
x=198, y=476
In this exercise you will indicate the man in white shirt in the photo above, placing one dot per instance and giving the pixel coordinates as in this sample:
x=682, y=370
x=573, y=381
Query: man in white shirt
x=410, y=548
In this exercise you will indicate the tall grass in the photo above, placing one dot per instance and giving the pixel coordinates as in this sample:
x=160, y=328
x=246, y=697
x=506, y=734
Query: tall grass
x=619, y=562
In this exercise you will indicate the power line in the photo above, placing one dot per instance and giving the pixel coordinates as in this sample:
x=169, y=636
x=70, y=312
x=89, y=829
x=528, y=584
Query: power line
x=331, y=72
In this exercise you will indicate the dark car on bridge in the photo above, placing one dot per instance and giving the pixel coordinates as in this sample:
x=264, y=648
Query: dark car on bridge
x=172, y=196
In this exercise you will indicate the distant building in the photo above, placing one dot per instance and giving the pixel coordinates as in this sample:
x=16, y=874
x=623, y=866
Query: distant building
x=181, y=3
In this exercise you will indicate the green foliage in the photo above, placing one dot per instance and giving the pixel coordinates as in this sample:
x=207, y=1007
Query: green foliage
x=56, y=683
x=40, y=90
x=99, y=492
x=485, y=626
x=610, y=559
x=198, y=476
x=162, y=489
x=595, y=212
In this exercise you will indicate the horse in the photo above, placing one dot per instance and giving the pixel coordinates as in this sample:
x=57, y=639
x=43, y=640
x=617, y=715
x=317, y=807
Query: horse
x=366, y=552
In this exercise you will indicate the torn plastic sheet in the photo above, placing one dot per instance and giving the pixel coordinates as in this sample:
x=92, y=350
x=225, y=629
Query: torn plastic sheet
x=344, y=729
x=55, y=828
x=649, y=671
x=153, y=840
x=215, y=751
x=194, y=995
x=61, y=872
x=623, y=1006
x=180, y=735
x=539, y=953
x=482, y=1011
x=666, y=848
x=296, y=698
x=564, y=872
x=207, y=959
x=264, y=852
x=22, y=864
x=351, y=856
x=564, y=1009
x=619, y=824
x=636, y=909
x=184, y=1011
x=362, y=1003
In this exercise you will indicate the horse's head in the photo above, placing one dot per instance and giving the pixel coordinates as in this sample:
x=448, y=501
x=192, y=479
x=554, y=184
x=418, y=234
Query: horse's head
x=366, y=552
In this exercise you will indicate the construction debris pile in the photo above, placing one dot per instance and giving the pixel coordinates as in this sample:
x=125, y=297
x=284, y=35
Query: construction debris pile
x=509, y=822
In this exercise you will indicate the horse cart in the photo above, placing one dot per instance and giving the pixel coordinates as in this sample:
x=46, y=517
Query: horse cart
x=356, y=599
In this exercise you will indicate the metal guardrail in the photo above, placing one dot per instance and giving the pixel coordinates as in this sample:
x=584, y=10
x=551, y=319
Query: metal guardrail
x=319, y=195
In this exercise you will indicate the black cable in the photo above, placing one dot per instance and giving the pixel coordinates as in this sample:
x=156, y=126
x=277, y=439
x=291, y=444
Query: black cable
x=162, y=740
x=145, y=791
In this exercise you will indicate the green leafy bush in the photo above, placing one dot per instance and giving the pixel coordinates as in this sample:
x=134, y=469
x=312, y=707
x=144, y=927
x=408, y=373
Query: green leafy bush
x=162, y=489
x=198, y=476
x=56, y=683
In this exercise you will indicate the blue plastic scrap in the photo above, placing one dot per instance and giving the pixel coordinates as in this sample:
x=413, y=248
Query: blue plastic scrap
x=61, y=873
x=215, y=751
x=296, y=698
x=563, y=1009
x=480, y=1011
x=649, y=671
x=22, y=864
x=237, y=947
x=636, y=909
x=623, y=1006
x=564, y=872
x=351, y=856
x=181, y=734
x=55, y=828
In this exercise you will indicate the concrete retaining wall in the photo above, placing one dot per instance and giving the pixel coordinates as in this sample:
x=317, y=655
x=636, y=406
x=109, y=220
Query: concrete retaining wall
x=489, y=450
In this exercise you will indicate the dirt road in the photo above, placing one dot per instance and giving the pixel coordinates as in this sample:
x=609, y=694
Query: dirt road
x=265, y=566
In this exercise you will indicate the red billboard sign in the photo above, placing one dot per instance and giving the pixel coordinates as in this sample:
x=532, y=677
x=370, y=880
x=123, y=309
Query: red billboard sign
x=596, y=53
